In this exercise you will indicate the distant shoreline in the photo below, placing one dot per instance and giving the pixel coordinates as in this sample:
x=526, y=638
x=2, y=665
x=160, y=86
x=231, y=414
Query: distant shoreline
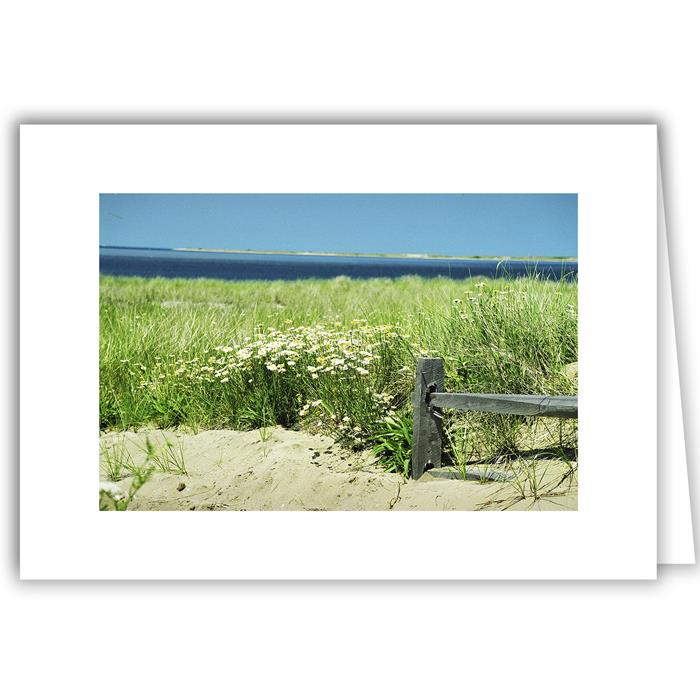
x=310, y=253
x=402, y=256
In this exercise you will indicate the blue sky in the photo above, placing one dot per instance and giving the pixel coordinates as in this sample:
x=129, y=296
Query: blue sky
x=448, y=224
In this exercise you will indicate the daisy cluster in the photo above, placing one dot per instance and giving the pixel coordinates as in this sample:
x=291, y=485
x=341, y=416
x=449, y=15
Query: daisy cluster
x=306, y=352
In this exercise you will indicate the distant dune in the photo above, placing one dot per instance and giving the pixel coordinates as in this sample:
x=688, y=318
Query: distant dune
x=420, y=256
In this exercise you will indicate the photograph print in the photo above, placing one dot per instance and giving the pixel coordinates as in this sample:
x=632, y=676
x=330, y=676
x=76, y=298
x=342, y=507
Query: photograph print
x=338, y=352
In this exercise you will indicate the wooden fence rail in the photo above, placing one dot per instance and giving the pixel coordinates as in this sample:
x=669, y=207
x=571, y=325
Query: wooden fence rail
x=429, y=395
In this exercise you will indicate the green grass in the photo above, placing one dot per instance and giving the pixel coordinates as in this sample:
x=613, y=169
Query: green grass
x=332, y=356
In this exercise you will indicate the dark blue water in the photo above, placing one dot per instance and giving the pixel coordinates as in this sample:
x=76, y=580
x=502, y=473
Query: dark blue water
x=143, y=262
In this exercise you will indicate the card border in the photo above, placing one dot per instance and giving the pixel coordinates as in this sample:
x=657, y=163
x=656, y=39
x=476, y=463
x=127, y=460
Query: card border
x=64, y=168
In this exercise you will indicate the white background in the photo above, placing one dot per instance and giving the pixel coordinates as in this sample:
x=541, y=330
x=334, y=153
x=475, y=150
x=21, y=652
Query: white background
x=498, y=61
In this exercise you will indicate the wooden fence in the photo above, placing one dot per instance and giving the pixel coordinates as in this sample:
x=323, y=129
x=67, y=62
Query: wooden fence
x=429, y=396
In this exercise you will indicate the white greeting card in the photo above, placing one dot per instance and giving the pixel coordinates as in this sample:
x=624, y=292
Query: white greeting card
x=598, y=521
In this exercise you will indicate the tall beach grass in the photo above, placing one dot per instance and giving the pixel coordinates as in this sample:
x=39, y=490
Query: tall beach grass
x=332, y=356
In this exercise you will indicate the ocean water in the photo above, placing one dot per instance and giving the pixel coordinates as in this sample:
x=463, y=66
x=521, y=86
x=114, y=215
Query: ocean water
x=145, y=262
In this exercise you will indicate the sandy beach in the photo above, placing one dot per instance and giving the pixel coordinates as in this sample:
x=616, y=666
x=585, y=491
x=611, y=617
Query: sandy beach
x=290, y=470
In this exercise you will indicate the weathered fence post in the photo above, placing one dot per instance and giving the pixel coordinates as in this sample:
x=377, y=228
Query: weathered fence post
x=427, y=424
x=428, y=396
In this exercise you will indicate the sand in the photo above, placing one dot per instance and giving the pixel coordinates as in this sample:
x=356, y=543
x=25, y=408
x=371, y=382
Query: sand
x=231, y=470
